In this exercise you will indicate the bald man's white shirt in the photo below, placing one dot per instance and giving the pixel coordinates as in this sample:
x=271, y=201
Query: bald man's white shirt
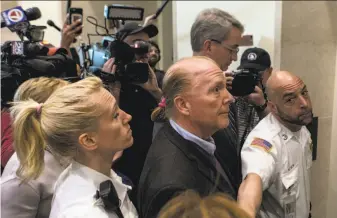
x=75, y=190
x=283, y=160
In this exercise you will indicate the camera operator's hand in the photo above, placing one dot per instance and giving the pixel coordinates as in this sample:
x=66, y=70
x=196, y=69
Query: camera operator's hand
x=260, y=103
x=152, y=85
x=69, y=33
x=149, y=20
x=256, y=98
x=114, y=88
x=229, y=79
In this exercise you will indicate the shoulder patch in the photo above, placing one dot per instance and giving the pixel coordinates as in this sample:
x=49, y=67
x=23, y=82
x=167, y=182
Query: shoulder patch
x=261, y=143
x=311, y=145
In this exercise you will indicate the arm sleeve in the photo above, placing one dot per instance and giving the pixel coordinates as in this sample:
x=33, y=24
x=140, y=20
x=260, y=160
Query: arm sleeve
x=259, y=161
x=7, y=149
x=18, y=199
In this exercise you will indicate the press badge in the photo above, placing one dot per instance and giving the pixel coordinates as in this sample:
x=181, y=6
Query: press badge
x=289, y=205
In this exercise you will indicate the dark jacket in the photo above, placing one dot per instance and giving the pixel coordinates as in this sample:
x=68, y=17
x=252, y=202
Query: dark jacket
x=172, y=166
x=227, y=154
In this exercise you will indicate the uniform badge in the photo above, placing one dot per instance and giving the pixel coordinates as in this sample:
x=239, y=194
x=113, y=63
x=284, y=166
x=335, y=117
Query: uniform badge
x=252, y=56
x=284, y=136
x=261, y=143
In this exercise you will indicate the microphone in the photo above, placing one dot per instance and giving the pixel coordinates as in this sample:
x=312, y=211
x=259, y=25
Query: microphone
x=33, y=13
x=52, y=24
x=17, y=19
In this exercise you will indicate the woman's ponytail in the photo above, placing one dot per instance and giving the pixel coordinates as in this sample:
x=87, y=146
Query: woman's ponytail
x=29, y=140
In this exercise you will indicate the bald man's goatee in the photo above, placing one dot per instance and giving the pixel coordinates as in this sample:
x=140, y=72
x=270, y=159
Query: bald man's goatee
x=295, y=121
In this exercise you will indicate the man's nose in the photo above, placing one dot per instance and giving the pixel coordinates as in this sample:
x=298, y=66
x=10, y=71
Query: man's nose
x=234, y=56
x=228, y=97
x=303, y=102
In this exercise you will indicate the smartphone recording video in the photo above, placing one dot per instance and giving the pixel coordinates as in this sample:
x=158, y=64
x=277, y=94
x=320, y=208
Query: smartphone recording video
x=74, y=15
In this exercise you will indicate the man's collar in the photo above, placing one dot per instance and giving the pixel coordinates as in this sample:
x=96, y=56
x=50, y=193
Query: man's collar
x=208, y=145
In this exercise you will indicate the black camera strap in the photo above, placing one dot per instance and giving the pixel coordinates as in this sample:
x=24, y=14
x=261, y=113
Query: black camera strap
x=251, y=116
x=246, y=129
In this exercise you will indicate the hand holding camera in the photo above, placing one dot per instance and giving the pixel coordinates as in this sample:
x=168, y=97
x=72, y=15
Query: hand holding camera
x=229, y=79
x=115, y=87
x=152, y=85
x=256, y=98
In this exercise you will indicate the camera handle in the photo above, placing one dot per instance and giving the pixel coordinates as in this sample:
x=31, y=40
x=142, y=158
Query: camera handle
x=86, y=61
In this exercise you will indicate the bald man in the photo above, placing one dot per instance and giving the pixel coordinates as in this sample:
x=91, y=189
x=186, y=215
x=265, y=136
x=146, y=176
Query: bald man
x=277, y=156
x=183, y=155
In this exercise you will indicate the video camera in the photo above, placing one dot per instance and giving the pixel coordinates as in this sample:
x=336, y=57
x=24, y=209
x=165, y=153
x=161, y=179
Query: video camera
x=244, y=81
x=28, y=58
x=113, y=45
x=128, y=67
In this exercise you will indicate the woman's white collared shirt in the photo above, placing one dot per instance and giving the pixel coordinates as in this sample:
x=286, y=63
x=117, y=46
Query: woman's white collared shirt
x=75, y=190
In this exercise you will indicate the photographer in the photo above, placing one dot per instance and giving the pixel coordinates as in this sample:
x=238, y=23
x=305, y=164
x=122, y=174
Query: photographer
x=138, y=100
x=252, y=108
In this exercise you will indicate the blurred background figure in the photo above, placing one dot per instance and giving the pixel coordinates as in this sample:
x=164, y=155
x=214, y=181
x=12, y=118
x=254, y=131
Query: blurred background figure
x=191, y=204
x=154, y=58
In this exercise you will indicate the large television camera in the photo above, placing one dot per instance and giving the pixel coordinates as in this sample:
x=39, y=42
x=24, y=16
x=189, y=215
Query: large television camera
x=126, y=57
x=129, y=67
x=28, y=58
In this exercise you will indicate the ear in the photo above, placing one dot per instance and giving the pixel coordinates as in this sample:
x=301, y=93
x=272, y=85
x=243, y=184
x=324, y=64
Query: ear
x=88, y=141
x=182, y=105
x=272, y=107
x=270, y=71
x=207, y=46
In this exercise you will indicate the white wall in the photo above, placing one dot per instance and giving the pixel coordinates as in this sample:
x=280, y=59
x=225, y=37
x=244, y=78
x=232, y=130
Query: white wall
x=258, y=17
x=332, y=194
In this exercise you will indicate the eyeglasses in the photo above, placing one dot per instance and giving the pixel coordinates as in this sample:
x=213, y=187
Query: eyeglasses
x=230, y=48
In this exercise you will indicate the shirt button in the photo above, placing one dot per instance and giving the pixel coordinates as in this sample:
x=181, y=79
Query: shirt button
x=285, y=137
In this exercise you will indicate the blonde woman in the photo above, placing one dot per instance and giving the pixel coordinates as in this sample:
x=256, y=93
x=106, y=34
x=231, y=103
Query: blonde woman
x=32, y=198
x=82, y=121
